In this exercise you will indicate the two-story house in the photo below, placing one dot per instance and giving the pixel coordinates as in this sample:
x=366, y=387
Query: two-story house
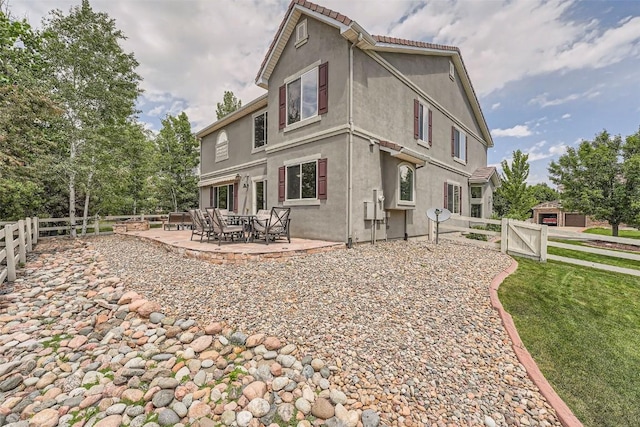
x=357, y=133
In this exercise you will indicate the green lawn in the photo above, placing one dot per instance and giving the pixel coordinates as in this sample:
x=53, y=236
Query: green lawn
x=582, y=326
x=631, y=234
x=602, y=259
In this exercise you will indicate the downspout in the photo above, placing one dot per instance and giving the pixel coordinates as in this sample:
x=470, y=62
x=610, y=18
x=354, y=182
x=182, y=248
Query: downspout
x=350, y=154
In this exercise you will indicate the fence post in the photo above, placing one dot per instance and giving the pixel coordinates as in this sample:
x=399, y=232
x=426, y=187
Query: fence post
x=22, y=248
x=96, y=226
x=11, y=257
x=543, y=243
x=430, y=230
x=29, y=235
x=36, y=229
x=503, y=235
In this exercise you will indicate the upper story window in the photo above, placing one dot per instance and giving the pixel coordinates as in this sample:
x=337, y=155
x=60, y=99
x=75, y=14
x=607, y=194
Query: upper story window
x=222, y=146
x=452, y=71
x=406, y=193
x=301, y=33
x=458, y=144
x=453, y=197
x=304, y=96
x=260, y=130
x=422, y=123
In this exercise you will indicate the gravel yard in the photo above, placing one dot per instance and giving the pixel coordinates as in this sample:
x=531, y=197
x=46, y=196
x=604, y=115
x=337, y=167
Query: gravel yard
x=410, y=324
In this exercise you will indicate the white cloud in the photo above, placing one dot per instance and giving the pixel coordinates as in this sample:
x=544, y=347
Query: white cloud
x=536, y=152
x=495, y=106
x=544, y=101
x=518, y=131
x=566, y=116
x=158, y=111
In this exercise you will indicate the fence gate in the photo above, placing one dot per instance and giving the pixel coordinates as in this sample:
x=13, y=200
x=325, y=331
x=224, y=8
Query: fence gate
x=524, y=239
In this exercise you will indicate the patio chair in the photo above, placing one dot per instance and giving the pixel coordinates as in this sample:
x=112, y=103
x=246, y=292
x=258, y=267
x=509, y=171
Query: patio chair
x=276, y=225
x=221, y=229
x=201, y=226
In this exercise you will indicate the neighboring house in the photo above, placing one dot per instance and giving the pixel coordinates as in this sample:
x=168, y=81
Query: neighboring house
x=552, y=213
x=353, y=126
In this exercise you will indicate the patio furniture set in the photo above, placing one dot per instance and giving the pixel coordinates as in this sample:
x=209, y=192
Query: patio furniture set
x=219, y=224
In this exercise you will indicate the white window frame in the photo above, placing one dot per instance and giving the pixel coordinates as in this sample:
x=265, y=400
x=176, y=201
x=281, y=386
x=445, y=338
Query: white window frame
x=255, y=149
x=309, y=120
x=476, y=200
x=300, y=161
x=452, y=71
x=222, y=146
x=457, y=200
x=302, y=35
x=413, y=186
x=423, y=140
x=229, y=196
x=462, y=150
x=254, y=200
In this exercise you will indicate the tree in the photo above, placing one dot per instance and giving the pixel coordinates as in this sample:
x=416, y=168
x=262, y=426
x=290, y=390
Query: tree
x=178, y=158
x=543, y=193
x=514, y=198
x=96, y=83
x=228, y=105
x=28, y=120
x=601, y=178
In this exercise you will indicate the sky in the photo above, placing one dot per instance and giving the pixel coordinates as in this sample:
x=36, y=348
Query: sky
x=548, y=74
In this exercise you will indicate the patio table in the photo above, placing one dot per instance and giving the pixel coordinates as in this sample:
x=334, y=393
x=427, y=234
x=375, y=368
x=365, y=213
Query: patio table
x=247, y=223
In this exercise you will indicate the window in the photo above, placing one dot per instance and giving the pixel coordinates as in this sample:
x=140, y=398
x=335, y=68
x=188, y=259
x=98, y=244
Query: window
x=476, y=210
x=260, y=130
x=422, y=128
x=222, y=146
x=476, y=201
x=458, y=144
x=304, y=96
x=452, y=71
x=453, y=198
x=476, y=192
x=407, y=185
x=223, y=197
x=301, y=33
x=259, y=195
x=301, y=181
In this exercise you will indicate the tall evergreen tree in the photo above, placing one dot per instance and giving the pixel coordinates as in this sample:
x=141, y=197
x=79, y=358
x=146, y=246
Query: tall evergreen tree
x=514, y=196
x=228, y=105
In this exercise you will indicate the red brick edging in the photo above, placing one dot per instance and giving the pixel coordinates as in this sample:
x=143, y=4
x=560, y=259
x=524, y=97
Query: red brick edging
x=563, y=412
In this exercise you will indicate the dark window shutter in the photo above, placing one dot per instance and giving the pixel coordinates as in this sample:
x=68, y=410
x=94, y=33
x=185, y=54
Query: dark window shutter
x=322, y=179
x=430, y=128
x=453, y=141
x=466, y=149
x=281, y=178
x=416, y=119
x=323, y=88
x=445, y=195
x=210, y=196
x=235, y=197
x=283, y=107
x=460, y=200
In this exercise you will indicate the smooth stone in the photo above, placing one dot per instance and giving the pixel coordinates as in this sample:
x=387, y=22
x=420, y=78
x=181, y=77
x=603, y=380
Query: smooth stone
x=258, y=407
x=243, y=418
x=322, y=408
x=489, y=422
x=168, y=383
x=370, y=418
x=168, y=417
x=110, y=421
x=162, y=398
x=228, y=418
x=202, y=343
x=285, y=412
x=182, y=373
x=279, y=383
x=45, y=418
x=254, y=390
x=116, y=409
x=156, y=317
x=337, y=397
x=179, y=408
x=303, y=405
x=288, y=349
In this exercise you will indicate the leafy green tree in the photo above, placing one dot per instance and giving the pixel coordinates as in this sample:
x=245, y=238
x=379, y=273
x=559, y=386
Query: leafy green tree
x=28, y=121
x=95, y=82
x=228, y=105
x=178, y=159
x=514, y=198
x=601, y=178
x=543, y=193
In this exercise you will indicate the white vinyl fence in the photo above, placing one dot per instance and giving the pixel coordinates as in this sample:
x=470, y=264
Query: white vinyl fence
x=532, y=240
x=16, y=239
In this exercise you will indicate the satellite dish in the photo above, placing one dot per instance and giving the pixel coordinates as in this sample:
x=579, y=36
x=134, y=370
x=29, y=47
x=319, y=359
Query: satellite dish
x=438, y=215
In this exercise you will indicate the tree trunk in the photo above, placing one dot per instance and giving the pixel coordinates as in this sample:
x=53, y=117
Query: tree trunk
x=72, y=190
x=87, y=197
x=614, y=229
x=175, y=200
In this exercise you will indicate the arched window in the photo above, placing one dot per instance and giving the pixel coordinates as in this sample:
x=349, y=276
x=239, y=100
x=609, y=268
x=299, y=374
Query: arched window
x=222, y=146
x=407, y=185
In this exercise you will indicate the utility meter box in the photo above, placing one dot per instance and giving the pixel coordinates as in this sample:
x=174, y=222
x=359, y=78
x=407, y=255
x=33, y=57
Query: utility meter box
x=370, y=211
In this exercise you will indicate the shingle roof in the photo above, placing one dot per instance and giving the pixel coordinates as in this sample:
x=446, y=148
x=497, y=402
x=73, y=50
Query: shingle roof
x=554, y=204
x=414, y=43
x=482, y=174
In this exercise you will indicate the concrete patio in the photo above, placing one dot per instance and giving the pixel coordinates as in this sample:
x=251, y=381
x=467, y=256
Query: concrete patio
x=232, y=252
